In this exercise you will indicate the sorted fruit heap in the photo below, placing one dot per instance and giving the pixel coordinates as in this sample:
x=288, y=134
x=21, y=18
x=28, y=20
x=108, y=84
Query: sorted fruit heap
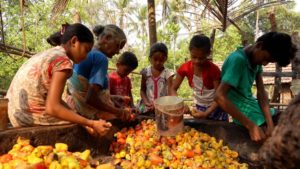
x=142, y=147
x=25, y=156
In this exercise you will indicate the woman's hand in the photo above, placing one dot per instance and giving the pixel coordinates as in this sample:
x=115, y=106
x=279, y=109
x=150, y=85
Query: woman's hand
x=127, y=114
x=99, y=127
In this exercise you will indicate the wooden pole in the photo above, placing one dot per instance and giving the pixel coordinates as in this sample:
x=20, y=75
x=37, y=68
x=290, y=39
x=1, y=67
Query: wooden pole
x=212, y=41
x=277, y=80
x=152, y=22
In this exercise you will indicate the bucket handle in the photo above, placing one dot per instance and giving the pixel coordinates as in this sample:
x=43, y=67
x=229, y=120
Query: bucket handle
x=180, y=114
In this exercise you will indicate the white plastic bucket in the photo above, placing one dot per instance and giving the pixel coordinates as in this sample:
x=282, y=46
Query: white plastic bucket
x=295, y=87
x=169, y=115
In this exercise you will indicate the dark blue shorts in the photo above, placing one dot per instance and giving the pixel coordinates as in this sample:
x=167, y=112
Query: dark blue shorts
x=218, y=114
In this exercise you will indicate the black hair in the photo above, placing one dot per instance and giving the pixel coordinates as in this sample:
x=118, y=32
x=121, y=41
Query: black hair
x=54, y=39
x=68, y=31
x=98, y=30
x=279, y=45
x=128, y=59
x=158, y=47
x=200, y=42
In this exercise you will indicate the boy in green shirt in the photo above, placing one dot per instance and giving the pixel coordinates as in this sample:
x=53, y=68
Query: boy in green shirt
x=240, y=70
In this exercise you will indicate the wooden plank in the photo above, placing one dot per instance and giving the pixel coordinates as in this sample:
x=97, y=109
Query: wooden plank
x=3, y=92
x=279, y=74
x=278, y=104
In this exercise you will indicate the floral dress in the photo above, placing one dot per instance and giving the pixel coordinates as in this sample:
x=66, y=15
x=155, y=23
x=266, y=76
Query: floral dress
x=29, y=88
x=155, y=86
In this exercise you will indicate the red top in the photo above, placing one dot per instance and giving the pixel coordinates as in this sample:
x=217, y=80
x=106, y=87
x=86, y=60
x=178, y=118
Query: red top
x=118, y=85
x=210, y=73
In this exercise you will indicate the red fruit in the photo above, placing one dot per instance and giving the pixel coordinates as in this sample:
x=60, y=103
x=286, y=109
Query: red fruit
x=132, y=117
x=189, y=153
x=171, y=141
x=163, y=140
x=5, y=158
x=40, y=166
x=121, y=141
x=120, y=135
x=82, y=163
x=155, y=159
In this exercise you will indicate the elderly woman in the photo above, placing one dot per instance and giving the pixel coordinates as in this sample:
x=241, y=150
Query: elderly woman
x=89, y=82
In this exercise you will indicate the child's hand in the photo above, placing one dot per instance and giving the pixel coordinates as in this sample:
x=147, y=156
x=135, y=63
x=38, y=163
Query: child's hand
x=257, y=134
x=99, y=127
x=269, y=130
x=186, y=109
x=126, y=100
x=150, y=105
x=198, y=114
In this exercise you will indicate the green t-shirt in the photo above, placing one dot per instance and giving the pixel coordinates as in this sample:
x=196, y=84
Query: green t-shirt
x=240, y=75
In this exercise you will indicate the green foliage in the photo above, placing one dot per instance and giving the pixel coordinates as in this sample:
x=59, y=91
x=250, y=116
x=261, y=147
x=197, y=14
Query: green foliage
x=36, y=27
x=287, y=21
x=9, y=66
x=225, y=43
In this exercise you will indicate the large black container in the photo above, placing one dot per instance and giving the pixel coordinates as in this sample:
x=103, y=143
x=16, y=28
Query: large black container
x=236, y=137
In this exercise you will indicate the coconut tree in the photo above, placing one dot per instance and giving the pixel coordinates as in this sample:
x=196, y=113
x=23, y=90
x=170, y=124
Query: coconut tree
x=123, y=9
x=152, y=22
x=137, y=26
x=174, y=11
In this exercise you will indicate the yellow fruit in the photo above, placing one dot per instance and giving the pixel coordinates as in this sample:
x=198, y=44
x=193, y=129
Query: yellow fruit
x=74, y=165
x=7, y=166
x=140, y=162
x=45, y=150
x=147, y=163
x=232, y=167
x=23, y=141
x=210, y=153
x=32, y=159
x=234, y=154
x=122, y=154
x=27, y=148
x=85, y=155
x=106, y=166
x=17, y=147
x=127, y=157
x=243, y=166
x=55, y=165
x=61, y=147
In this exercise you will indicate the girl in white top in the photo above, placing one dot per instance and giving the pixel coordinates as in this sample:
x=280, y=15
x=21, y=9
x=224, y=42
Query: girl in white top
x=156, y=79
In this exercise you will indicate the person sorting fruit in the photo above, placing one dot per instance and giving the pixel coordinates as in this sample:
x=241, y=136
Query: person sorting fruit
x=36, y=89
x=203, y=77
x=119, y=82
x=240, y=70
x=87, y=89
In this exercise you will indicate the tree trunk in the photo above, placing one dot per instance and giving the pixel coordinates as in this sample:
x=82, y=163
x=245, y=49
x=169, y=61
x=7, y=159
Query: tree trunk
x=152, y=22
x=212, y=41
x=76, y=17
x=277, y=80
